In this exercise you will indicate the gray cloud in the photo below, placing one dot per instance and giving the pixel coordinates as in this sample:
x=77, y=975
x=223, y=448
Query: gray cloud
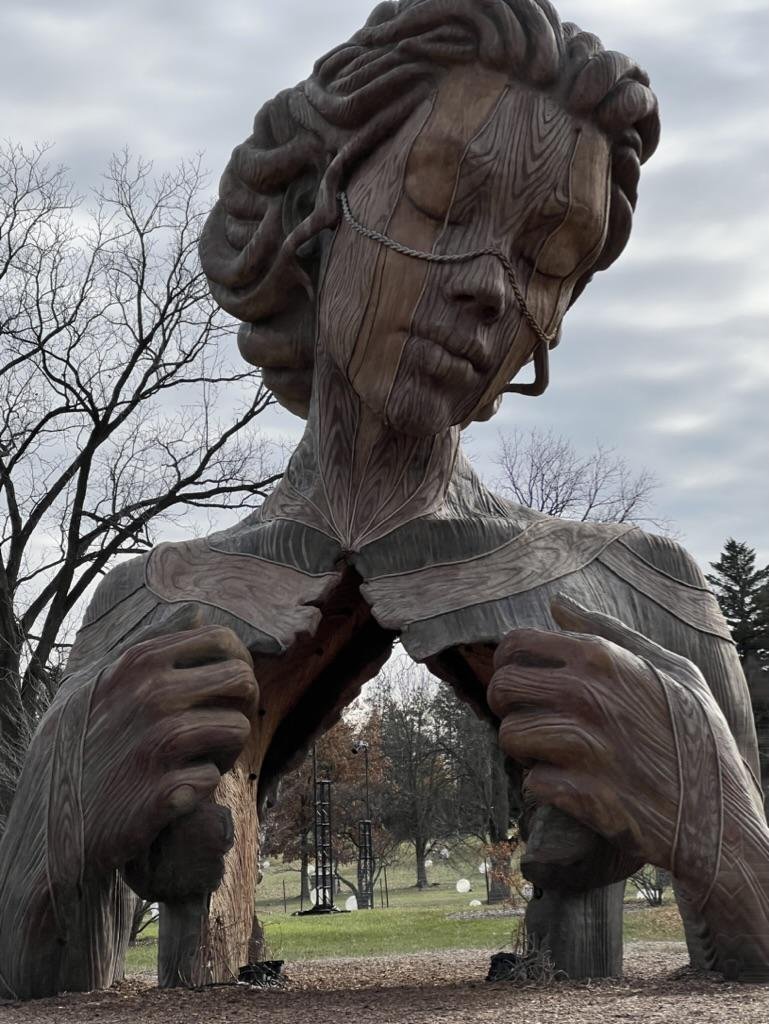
x=665, y=356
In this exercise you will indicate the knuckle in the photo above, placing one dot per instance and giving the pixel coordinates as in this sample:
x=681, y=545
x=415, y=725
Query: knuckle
x=498, y=694
x=240, y=727
x=244, y=676
x=219, y=636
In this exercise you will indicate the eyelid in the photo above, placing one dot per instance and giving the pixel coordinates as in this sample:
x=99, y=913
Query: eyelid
x=437, y=218
x=532, y=264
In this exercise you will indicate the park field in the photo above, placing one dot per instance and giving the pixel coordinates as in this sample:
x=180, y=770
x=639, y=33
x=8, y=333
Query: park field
x=437, y=918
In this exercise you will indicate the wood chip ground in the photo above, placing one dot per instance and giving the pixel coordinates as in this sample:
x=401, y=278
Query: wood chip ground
x=424, y=988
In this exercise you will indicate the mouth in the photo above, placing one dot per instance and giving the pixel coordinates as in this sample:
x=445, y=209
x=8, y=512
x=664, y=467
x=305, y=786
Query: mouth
x=451, y=352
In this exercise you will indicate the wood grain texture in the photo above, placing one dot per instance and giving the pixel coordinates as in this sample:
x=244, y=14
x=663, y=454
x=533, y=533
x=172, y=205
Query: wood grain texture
x=672, y=796
x=273, y=598
x=540, y=554
x=453, y=125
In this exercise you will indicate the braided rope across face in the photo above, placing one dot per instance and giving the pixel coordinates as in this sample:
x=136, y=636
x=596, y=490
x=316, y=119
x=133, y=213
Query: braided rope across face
x=544, y=340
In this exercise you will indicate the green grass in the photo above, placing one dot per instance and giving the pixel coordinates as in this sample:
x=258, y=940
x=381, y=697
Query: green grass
x=654, y=924
x=416, y=919
x=379, y=932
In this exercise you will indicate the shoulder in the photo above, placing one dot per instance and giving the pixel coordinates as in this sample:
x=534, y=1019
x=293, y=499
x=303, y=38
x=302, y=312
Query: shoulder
x=660, y=569
x=665, y=555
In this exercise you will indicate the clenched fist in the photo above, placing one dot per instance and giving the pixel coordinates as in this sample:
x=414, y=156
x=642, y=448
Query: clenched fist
x=166, y=720
x=627, y=738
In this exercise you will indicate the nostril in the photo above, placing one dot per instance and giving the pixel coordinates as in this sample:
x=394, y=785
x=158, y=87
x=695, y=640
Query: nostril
x=489, y=314
x=485, y=308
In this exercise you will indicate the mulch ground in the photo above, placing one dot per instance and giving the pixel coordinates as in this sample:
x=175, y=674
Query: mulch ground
x=439, y=988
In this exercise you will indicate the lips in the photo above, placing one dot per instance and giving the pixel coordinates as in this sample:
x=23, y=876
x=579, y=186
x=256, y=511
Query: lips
x=470, y=351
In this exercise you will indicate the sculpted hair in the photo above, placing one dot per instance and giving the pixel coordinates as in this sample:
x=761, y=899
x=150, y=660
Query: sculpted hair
x=261, y=244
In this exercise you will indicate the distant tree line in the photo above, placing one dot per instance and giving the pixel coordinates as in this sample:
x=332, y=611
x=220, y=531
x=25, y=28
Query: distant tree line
x=436, y=779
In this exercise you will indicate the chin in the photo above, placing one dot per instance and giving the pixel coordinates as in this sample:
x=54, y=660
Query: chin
x=430, y=415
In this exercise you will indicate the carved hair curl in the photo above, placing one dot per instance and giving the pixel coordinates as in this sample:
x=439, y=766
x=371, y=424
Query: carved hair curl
x=260, y=247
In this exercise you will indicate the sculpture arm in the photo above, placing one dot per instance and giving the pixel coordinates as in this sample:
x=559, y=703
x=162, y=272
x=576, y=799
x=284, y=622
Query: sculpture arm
x=57, y=932
x=626, y=737
x=120, y=755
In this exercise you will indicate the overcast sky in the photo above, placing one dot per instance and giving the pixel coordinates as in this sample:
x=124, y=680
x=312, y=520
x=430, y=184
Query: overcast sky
x=665, y=356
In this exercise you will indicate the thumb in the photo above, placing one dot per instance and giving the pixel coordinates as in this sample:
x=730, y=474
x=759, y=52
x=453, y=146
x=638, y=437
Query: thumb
x=574, y=617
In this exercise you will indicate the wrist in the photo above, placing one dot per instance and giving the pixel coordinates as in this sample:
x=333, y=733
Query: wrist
x=734, y=903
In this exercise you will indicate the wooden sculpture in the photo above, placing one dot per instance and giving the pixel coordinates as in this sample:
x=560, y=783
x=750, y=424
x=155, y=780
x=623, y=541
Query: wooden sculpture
x=400, y=235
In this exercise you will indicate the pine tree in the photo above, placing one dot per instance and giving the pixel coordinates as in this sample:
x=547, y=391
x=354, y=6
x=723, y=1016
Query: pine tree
x=741, y=591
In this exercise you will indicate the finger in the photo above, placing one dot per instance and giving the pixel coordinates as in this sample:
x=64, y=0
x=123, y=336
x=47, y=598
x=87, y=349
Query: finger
x=533, y=648
x=571, y=615
x=206, y=734
x=230, y=683
x=205, y=645
x=185, y=788
x=514, y=688
x=592, y=799
x=534, y=736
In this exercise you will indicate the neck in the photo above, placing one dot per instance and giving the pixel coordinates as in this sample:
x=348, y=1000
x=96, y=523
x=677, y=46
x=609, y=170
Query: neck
x=355, y=477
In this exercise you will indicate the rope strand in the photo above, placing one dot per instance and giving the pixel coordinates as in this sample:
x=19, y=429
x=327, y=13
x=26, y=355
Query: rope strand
x=460, y=257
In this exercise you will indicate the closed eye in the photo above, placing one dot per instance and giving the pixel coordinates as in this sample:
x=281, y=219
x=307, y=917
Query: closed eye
x=436, y=216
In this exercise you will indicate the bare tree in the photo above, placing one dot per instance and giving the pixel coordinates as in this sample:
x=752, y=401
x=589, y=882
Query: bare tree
x=544, y=471
x=479, y=804
x=417, y=781
x=119, y=410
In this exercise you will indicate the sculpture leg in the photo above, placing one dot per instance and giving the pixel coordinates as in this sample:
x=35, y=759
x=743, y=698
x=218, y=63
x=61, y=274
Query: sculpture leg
x=576, y=912
x=181, y=943
x=202, y=869
x=582, y=930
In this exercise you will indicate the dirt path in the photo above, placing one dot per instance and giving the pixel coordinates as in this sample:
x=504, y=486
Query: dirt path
x=425, y=988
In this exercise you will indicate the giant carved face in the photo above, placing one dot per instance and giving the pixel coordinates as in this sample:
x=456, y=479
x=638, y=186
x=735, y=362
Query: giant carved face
x=486, y=163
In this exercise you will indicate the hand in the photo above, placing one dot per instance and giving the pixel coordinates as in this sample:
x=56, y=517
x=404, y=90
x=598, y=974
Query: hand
x=167, y=719
x=620, y=734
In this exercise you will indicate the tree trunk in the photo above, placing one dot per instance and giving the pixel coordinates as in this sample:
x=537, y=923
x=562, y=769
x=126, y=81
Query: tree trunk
x=420, y=847
x=207, y=939
x=305, y=863
x=499, y=859
x=498, y=867
x=232, y=922
x=13, y=730
x=141, y=909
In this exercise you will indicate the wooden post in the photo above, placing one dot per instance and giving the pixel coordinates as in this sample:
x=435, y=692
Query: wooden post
x=583, y=931
x=181, y=942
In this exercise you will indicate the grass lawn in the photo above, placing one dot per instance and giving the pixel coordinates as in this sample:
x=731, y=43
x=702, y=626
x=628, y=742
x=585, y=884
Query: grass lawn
x=415, y=920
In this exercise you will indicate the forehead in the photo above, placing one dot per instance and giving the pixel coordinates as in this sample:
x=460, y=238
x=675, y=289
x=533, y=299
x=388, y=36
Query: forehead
x=497, y=149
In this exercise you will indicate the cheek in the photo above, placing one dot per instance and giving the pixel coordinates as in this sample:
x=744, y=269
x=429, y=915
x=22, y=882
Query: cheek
x=345, y=293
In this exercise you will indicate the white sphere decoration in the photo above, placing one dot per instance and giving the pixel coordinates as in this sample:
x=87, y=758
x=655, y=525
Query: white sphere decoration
x=463, y=885
x=428, y=863
x=351, y=903
x=475, y=903
x=482, y=868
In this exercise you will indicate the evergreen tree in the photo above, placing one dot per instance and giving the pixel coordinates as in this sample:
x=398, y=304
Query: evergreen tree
x=741, y=591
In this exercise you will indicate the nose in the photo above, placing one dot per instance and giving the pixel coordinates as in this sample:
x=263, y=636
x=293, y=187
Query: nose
x=477, y=287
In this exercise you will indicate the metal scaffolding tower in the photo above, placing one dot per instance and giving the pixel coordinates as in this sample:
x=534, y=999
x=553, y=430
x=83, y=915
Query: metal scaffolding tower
x=365, y=867
x=324, y=854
